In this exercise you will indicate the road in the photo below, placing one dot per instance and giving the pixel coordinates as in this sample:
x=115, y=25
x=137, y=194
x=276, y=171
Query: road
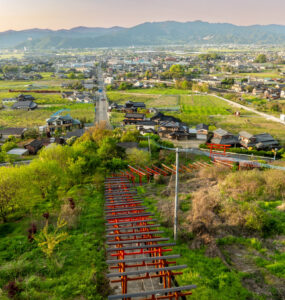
x=101, y=110
x=264, y=115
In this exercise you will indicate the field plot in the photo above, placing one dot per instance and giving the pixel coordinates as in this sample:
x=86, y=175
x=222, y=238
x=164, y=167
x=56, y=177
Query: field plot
x=161, y=91
x=53, y=84
x=21, y=118
x=40, y=98
x=204, y=105
x=149, y=100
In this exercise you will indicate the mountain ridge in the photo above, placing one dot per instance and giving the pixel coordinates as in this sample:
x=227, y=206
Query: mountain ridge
x=148, y=33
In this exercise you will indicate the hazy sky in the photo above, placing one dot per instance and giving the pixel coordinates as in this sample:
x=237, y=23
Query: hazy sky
x=55, y=14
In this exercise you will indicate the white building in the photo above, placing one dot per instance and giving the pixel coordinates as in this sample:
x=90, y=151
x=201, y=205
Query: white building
x=109, y=80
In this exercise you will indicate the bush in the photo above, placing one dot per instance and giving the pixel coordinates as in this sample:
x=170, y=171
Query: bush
x=9, y=146
x=138, y=157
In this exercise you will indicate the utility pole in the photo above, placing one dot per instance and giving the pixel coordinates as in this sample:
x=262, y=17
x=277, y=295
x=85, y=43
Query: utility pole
x=176, y=195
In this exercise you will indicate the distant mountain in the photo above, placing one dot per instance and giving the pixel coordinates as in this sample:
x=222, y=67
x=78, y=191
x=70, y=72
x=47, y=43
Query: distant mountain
x=13, y=39
x=156, y=33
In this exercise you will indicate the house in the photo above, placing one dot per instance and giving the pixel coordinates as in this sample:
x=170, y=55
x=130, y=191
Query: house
x=146, y=125
x=34, y=146
x=173, y=130
x=247, y=139
x=202, y=131
x=61, y=123
x=66, y=94
x=131, y=106
x=109, y=80
x=23, y=97
x=75, y=133
x=138, y=84
x=160, y=117
x=16, y=132
x=25, y=105
x=133, y=118
x=223, y=137
x=265, y=141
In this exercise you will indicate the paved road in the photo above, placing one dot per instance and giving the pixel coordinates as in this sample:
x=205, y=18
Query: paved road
x=101, y=111
x=264, y=115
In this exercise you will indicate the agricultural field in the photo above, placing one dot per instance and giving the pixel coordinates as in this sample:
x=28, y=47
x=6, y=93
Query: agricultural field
x=37, y=117
x=203, y=105
x=196, y=108
x=46, y=84
x=160, y=91
x=151, y=100
x=41, y=99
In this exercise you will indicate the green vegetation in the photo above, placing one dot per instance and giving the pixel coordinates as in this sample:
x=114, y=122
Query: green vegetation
x=52, y=230
x=231, y=231
x=201, y=105
x=37, y=117
x=261, y=59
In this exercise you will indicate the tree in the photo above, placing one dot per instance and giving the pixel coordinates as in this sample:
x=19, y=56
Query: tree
x=108, y=149
x=130, y=136
x=45, y=178
x=10, y=69
x=125, y=86
x=176, y=71
x=8, y=146
x=261, y=58
x=31, y=133
x=133, y=155
x=228, y=82
x=71, y=75
x=10, y=191
x=148, y=74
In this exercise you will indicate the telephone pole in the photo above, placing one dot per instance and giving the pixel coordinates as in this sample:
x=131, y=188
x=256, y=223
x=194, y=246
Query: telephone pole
x=176, y=195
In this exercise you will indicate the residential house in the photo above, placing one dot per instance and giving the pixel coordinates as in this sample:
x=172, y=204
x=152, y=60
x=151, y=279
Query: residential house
x=265, y=141
x=133, y=118
x=62, y=123
x=131, y=106
x=173, y=130
x=25, y=105
x=34, y=146
x=23, y=97
x=224, y=137
x=146, y=126
x=7, y=132
x=160, y=117
x=75, y=133
x=202, y=131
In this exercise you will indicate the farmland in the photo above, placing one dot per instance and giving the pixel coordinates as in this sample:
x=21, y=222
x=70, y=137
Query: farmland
x=196, y=108
x=21, y=118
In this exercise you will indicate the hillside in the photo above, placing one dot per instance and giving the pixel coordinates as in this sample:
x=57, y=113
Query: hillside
x=156, y=33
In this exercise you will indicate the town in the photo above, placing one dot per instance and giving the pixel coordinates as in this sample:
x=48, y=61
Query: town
x=175, y=93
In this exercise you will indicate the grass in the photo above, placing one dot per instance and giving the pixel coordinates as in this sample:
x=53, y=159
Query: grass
x=37, y=117
x=214, y=280
x=77, y=272
x=204, y=105
x=49, y=84
x=160, y=91
x=149, y=100
x=40, y=98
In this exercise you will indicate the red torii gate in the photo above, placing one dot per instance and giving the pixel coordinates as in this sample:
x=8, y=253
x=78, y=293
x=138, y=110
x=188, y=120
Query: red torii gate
x=220, y=147
x=138, y=172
